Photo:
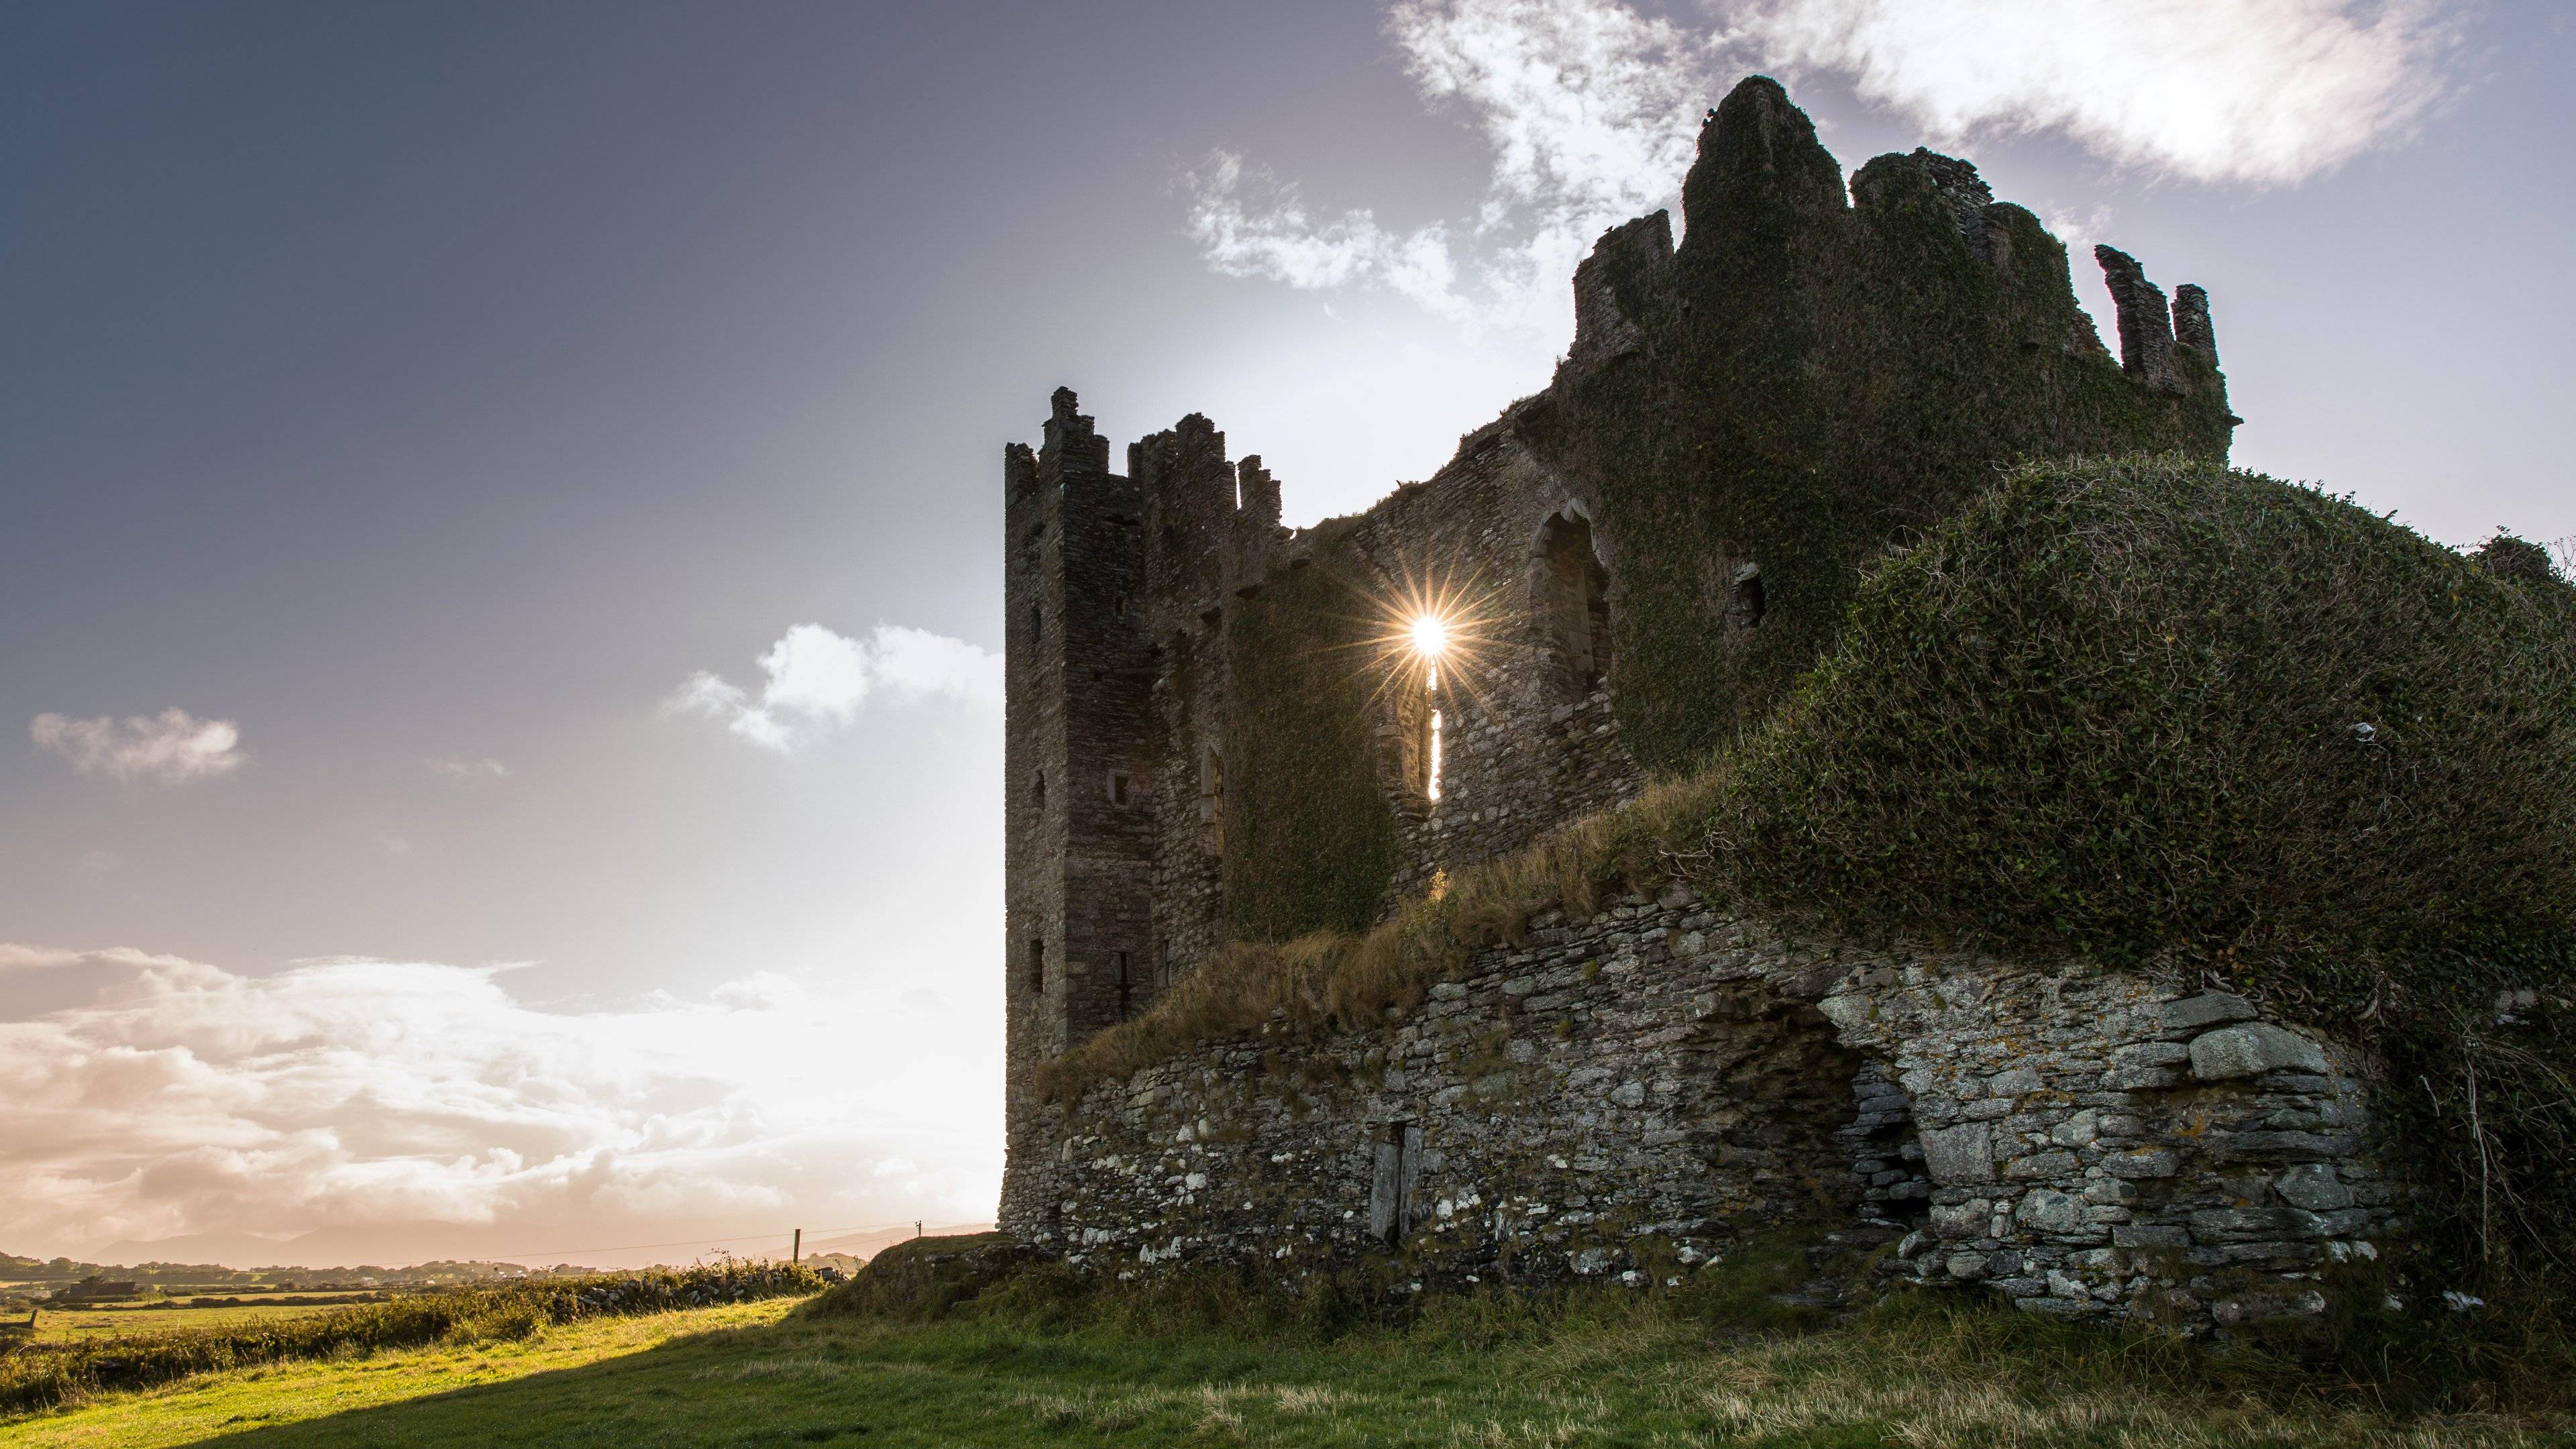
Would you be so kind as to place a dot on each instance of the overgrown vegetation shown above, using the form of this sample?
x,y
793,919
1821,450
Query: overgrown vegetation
x,y
1820,376
1310,841
2146,707
40,1374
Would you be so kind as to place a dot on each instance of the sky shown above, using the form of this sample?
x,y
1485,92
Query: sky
x,y
499,682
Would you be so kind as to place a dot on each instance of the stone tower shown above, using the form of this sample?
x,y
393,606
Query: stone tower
x,y
1078,852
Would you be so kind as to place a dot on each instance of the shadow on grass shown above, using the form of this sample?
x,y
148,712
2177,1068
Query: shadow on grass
x,y
810,1381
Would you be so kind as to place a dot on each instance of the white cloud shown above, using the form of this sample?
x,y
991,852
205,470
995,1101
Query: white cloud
x,y
16,957
815,680
470,769
1591,111
170,748
345,1093
2261,91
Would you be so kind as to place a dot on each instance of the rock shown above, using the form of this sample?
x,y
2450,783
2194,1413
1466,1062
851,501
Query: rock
x,y
2210,1008
2040,1164
1960,1154
2250,1050
2013,1082
1961,1220
2046,1210
2078,1130
2143,1162
2250,1225
1967,1267
2314,1187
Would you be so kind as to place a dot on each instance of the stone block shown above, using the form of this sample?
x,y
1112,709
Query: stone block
x,y
2046,1210
2250,1225
2210,1008
2251,1050
2314,1187
2039,1165
1961,1220
1960,1154
2143,1162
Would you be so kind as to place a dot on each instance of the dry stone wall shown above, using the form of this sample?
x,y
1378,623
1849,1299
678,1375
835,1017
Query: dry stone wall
x,y
1630,1095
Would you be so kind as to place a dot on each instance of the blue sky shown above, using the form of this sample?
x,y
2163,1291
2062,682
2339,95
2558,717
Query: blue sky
x,y
502,501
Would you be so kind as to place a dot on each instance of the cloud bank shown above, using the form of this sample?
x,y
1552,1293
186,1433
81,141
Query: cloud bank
x,y
344,1093
815,681
2266,92
170,748
1588,108
1591,110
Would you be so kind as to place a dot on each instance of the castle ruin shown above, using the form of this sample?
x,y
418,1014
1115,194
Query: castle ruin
x,y
1220,729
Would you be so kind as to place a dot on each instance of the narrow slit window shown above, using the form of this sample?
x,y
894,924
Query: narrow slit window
x,y
1212,798
1126,987
1122,787
1747,604
1037,966
1037,791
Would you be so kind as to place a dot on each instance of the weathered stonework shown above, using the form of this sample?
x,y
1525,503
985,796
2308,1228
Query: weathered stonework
x,y
1640,555
1635,1093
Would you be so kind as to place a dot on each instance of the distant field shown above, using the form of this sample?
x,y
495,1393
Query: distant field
x,y
55,1325
765,1374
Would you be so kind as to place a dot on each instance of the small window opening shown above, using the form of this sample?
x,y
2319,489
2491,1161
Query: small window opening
x,y
1037,966
1746,605
1037,793
1212,798
1121,787
1126,989
1433,789
1575,603
1119,606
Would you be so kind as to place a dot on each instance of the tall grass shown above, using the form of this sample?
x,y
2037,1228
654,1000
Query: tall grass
x,y
42,1375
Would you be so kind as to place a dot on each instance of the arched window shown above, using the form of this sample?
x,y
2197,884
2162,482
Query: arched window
x,y
1574,604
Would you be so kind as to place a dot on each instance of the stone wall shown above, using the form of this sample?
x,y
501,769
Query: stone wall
x,y
1637,1092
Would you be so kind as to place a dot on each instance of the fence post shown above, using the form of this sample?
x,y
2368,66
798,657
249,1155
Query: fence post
x,y
796,1254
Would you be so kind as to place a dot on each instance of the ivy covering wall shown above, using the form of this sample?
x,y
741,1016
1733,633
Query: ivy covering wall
x,y
1310,837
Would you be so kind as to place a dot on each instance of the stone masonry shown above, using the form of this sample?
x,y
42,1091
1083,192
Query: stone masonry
x,y
1632,1093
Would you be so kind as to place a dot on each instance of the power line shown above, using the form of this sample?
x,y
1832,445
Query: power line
x,y
697,1242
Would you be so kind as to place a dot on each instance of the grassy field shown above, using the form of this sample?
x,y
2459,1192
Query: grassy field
x,y
54,1325
775,1373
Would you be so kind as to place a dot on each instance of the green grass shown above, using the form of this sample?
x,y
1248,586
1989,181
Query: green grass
x,y
1605,1370
55,1325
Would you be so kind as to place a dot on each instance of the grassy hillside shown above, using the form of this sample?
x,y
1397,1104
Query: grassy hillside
x,y
1203,1361
749,1375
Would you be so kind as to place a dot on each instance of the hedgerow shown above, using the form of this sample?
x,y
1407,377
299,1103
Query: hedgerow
x,y
42,1375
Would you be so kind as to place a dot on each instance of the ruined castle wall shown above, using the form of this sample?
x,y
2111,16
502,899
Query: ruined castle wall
x,y
1635,1092
1525,745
